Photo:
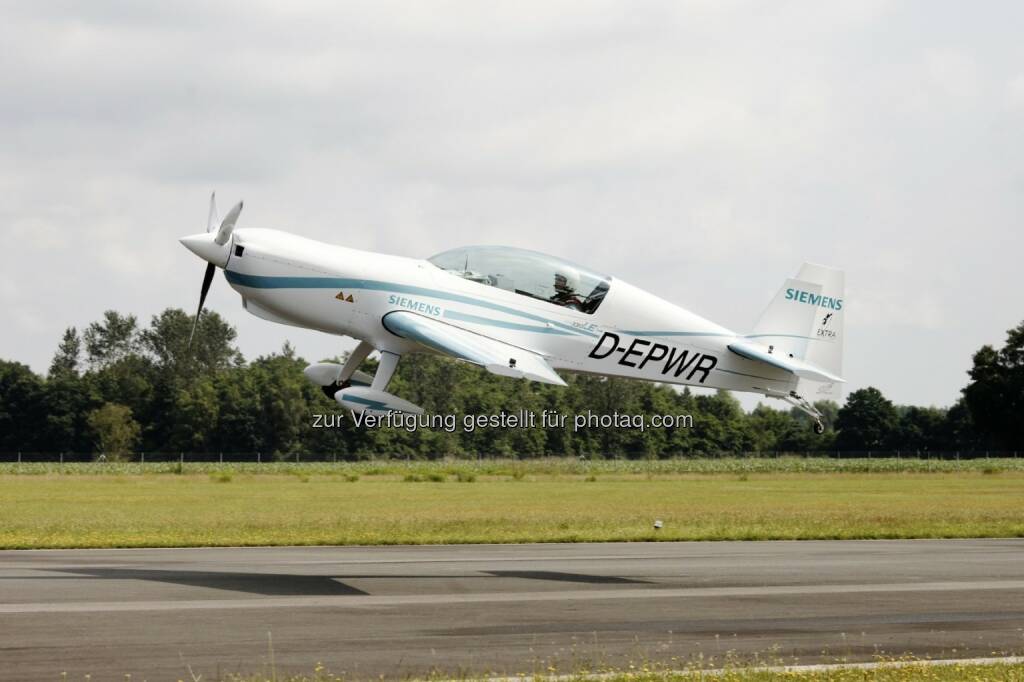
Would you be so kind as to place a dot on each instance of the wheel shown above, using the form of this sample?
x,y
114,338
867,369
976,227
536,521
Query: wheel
x,y
330,389
819,428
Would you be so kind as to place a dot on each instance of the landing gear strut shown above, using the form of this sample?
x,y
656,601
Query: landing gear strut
x,y
358,391
801,403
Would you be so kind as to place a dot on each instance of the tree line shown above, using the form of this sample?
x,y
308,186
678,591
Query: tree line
x,y
118,388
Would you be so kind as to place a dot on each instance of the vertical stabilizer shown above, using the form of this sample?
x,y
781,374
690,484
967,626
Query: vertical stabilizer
x,y
785,324
805,321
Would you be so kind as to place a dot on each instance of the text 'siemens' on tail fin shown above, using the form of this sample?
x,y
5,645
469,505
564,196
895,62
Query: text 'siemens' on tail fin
x,y
804,322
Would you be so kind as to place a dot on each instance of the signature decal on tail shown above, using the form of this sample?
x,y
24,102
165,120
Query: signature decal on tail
x,y
639,353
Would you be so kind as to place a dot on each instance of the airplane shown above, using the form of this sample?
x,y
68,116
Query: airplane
x,y
519,314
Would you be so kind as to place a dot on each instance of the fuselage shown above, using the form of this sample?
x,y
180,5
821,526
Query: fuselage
x,y
633,334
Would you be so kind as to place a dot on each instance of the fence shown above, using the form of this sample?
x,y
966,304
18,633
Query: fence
x,y
300,457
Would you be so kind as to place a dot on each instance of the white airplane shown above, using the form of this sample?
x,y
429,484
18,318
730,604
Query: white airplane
x,y
519,314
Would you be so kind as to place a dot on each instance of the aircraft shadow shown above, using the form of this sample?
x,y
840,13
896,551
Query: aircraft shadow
x,y
282,584
266,584
569,577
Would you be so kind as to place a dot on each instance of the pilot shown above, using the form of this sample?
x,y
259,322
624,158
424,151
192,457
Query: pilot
x,y
567,283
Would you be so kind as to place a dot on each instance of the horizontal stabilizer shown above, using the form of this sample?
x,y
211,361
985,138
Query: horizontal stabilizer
x,y
804,370
496,356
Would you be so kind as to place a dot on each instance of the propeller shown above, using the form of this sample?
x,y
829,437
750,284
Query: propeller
x,y
207,279
213,219
228,225
214,253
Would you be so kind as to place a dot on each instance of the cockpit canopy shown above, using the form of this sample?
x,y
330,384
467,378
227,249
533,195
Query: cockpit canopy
x,y
527,273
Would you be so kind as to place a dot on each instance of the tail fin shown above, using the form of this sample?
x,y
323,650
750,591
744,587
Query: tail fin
x,y
805,321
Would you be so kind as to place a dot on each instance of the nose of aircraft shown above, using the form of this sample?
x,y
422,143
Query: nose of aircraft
x,y
204,246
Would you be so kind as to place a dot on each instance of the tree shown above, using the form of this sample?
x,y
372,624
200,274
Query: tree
x,y
720,424
770,427
196,415
65,361
111,340
115,431
68,401
239,418
921,428
22,409
213,349
959,429
284,399
867,421
995,394
129,381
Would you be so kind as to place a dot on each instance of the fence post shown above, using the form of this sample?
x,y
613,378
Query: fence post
x,y
222,458
259,457
19,456
62,458
181,457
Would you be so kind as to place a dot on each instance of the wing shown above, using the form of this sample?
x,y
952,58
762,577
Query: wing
x,y
496,356
804,370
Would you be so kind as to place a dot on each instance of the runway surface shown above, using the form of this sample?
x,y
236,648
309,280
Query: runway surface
x,y
401,611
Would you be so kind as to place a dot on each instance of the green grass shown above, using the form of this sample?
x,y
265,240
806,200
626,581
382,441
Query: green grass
x,y
559,501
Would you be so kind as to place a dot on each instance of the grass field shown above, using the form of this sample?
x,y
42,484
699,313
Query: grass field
x,y
552,501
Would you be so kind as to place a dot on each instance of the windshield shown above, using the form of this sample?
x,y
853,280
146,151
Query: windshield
x,y
527,273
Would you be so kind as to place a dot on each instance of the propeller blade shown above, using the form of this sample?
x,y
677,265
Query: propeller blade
x,y
224,233
207,278
214,218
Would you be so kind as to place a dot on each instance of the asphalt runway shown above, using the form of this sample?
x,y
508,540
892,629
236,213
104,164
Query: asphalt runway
x,y
400,611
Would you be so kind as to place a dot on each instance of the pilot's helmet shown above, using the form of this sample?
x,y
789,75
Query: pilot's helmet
x,y
567,279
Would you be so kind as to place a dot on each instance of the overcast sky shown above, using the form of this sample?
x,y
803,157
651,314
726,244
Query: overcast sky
x,y
701,150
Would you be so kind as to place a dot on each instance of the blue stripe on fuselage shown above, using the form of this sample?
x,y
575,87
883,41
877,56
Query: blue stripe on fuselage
x,y
476,319
273,282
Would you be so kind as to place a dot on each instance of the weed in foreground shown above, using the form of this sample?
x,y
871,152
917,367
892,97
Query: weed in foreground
x,y
886,670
